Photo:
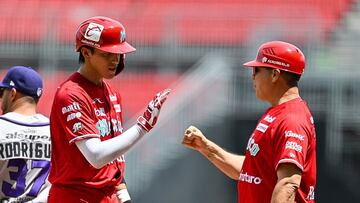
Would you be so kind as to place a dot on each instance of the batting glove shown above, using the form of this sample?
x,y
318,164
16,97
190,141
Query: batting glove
x,y
148,120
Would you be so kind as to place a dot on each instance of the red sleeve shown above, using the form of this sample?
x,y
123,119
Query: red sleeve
x,y
291,142
75,115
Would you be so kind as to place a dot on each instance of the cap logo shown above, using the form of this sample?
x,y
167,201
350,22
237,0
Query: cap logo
x,y
93,32
39,92
12,83
122,36
264,59
279,63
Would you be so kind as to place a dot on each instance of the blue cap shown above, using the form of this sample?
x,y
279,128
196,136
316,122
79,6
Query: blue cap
x,y
25,80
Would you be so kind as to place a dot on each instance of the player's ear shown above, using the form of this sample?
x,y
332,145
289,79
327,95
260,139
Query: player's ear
x,y
275,74
13,92
85,52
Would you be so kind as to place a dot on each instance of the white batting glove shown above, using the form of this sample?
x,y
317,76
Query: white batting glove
x,y
148,120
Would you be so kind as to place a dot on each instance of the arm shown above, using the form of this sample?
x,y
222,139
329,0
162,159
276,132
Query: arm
x,y
289,178
230,164
98,153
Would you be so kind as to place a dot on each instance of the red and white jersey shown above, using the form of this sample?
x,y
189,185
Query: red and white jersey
x,y
84,110
284,134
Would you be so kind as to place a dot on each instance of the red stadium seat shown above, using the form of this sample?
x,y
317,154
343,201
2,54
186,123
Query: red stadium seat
x,y
214,22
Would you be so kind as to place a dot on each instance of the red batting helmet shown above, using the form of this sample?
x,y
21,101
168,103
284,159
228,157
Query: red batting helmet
x,y
279,55
105,34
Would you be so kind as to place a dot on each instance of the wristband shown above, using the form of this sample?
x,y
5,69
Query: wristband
x,y
123,196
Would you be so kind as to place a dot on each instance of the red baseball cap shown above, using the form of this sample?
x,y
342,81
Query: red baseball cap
x,y
103,33
279,55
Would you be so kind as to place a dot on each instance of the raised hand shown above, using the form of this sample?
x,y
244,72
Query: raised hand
x,y
148,120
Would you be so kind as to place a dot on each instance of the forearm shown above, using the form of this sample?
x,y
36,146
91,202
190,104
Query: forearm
x,y
230,164
284,191
98,153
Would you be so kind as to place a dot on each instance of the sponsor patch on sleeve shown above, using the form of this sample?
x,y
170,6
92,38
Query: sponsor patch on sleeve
x,y
262,127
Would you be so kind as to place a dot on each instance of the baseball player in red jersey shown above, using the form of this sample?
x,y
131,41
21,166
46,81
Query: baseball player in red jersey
x,y
280,160
87,162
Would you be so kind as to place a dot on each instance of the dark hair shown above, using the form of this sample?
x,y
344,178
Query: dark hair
x,y
81,57
291,78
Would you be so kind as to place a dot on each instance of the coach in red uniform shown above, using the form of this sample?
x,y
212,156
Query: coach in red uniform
x,y
280,160
87,163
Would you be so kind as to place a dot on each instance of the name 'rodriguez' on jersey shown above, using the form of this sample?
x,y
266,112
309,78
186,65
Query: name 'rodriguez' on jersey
x,y
24,142
24,158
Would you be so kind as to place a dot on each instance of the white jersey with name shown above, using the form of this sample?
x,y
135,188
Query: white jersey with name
x,y
24,158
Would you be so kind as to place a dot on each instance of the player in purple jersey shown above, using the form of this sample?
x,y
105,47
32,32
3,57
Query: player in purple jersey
x,y
24,139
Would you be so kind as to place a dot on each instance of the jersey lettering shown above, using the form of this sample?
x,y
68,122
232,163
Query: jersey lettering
x,y
249,178
103,127
24,160
252,147
290,133
72,107
100,112
26,150
77,126
73,116
262,127
294,146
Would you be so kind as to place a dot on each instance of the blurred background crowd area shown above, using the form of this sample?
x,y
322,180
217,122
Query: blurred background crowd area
x,y
197,47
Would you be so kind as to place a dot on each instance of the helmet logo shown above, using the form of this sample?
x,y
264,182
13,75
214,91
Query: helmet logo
x,y
93,32
264,59
122,36
39,92
275,62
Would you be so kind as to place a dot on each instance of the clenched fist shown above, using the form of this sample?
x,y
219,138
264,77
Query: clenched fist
x,y
148,120
194,139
